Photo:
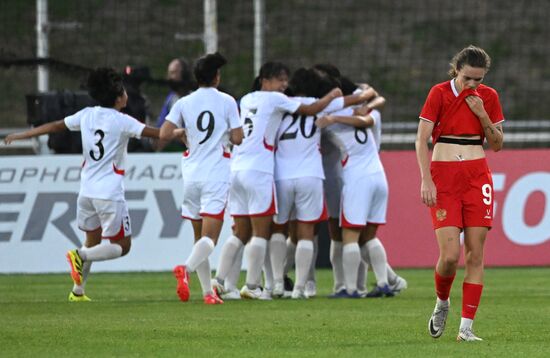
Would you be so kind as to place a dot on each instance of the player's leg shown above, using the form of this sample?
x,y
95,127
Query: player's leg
x,y
78,293
448,239
291,243
303,258
351,257
336,246
311,283
474,240
231,282
277,243
378,261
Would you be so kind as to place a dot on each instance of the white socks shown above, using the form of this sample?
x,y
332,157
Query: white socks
x,y
234,274
336,261
277,254
204,273
311,273
378,261
304,255
227,256
351,257
201,250
268,271
102,252
466,323
254,252
79,289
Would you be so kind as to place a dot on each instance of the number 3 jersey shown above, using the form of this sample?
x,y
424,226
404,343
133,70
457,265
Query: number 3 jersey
x,y
105,133
261,114
207,116
358,147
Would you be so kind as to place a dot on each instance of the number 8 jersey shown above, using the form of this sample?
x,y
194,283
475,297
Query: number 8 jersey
x,y
207,116
105,133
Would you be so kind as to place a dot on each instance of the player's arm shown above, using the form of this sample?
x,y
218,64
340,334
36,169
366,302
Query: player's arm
x,y
493,132
236,135
317,106
354,121
168,131
363,96
51,127
427,189
150,132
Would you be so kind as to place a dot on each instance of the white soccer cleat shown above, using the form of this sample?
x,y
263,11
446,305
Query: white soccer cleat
x,y
251,294
436,324
311,289
278,290
467,335
231,295
266,295
399,285
298,294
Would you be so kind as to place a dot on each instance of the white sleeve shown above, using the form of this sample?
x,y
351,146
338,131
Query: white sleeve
x,y
284,103
232,113
132,127
73,121
175,115
334,105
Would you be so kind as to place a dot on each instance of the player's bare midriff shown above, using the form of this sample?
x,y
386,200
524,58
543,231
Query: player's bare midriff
x,y
448,152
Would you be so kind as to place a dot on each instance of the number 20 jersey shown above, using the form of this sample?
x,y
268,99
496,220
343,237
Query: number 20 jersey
x,y
207,115
105,133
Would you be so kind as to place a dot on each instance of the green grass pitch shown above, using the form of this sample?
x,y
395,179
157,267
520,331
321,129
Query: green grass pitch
x,y
138,314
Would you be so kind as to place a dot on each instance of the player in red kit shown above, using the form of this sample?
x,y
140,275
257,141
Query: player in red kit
x,y
457,186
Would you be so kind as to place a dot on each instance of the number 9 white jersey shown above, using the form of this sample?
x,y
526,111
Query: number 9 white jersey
x,y
207,116
105,133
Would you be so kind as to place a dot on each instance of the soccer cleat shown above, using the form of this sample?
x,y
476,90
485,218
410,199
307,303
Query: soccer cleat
x,y
218,287
467,335
78,298
399,285
381,291
311,289
436,324
231,295
182,277
266,295
252,294
298,294
339,294
278,289
212,299
75,261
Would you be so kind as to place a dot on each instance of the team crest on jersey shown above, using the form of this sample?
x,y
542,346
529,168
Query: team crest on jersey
x,y
441,214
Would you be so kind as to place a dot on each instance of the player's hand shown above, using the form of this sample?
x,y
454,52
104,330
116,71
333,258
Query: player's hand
x,y
10,138
368,94
476,105
428,192
324,121
335,93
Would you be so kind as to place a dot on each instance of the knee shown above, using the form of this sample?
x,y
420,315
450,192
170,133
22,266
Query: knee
x,y
474,259
126,245
449,260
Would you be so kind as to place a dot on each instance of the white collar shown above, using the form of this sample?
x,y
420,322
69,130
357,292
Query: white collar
x,y
453,87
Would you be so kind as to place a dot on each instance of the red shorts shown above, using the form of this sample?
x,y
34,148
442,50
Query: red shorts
x,y
464,194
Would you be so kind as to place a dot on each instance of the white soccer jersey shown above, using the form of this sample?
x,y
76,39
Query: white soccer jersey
x,y
357,145
298,143
261,114
207,115
105,133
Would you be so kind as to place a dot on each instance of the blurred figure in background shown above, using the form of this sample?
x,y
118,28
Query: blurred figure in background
x,y
181,83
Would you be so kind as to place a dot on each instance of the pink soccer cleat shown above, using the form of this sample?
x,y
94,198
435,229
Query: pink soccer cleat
x,y
183,282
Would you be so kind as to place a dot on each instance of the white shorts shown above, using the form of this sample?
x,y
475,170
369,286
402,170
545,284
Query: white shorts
x,y
364,200
204,198
301,199
111,216
333,191
252,193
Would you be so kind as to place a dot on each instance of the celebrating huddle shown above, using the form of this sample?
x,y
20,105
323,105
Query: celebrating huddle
x,y
274,181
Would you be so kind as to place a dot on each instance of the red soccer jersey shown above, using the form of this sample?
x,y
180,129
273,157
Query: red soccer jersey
x,y
449,111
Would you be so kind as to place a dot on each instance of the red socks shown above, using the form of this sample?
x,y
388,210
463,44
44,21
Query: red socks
x,y
471,295
443,286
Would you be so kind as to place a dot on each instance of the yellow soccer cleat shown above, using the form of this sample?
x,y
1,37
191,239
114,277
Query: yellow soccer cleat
x,y
76,298
75,261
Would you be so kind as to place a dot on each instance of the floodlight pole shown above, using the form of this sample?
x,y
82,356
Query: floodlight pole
x,y
259,21
210,26
42,28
